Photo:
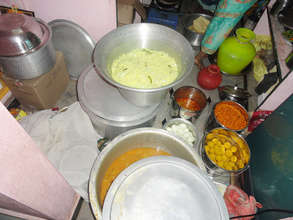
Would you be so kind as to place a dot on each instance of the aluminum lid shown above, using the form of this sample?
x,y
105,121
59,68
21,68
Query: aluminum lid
x,y
106,102
75,43
234,91
21,34
163,188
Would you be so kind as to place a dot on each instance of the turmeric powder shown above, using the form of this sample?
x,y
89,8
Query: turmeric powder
x,y
231,115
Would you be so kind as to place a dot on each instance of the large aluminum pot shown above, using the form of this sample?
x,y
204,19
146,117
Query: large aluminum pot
x,y
141,137
142,35
33,62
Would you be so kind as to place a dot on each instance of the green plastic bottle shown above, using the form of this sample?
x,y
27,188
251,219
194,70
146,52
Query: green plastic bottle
x,y
236,52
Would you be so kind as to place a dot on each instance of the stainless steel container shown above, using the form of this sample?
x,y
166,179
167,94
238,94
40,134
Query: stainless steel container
x,y
142,35
187,102
34,61
141,137
234,93
109,112
212,168
193,37
214,123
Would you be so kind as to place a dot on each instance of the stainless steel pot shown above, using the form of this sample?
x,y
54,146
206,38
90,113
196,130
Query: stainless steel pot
x,y
141,137
193,37
34,62
142,35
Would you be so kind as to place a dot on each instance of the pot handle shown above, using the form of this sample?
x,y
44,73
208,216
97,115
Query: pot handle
x,y
102,143
171,92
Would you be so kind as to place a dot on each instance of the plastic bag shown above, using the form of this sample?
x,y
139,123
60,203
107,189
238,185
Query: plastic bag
x,y
239,203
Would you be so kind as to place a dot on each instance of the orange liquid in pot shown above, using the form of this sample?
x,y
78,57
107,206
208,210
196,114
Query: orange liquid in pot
x,y
122,162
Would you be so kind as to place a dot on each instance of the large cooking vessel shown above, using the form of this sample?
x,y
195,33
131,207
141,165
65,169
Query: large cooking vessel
x,y
141,137
142,35
26,47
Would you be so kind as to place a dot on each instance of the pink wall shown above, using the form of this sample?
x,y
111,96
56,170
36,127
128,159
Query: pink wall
x,y
96,16
28,178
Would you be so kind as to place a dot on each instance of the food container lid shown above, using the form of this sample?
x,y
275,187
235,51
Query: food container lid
x,y
75,44
163,187
21,34
106,102
234,91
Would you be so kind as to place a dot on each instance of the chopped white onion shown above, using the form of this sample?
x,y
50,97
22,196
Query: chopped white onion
x,y
182,131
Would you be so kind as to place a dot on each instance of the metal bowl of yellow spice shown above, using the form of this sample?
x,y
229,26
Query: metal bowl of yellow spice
x,y
225,152
195,26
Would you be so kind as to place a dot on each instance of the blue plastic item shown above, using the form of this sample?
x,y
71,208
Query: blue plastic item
x,y
161,17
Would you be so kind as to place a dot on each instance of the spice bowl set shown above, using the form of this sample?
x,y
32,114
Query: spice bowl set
x,y
223,149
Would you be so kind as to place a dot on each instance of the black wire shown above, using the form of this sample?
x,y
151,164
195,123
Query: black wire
x,y
263,211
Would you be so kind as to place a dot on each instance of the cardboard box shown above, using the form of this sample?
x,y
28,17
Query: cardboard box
x,y
44,91
126,9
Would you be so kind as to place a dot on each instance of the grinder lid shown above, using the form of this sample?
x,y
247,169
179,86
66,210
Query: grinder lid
x,y
105,100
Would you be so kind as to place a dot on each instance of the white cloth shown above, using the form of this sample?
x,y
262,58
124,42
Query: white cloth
x,y
69,141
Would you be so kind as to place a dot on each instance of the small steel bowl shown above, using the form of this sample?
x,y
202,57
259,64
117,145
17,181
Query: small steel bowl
x,y
211,165
20,34
191,95
214,123
194,38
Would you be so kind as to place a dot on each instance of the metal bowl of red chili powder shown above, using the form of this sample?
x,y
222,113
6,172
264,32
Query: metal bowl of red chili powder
x,y
188,102
230,115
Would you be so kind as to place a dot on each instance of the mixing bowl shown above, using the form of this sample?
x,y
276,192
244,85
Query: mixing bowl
x,y
143,35
140,137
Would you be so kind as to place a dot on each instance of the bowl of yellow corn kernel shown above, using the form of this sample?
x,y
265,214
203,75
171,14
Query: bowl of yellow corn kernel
x,y
226,150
